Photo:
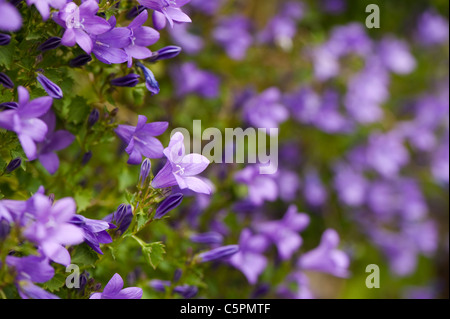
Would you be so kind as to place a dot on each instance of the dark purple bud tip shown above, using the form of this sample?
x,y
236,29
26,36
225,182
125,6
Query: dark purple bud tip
x,y
165,53
145,171
177,275
9,105
6,81
121,217
14,164
150,80
209,238
80,60
135,11
51,88
93,117
186,291
130,80
86,158
170,203
51,43
219,253
4,39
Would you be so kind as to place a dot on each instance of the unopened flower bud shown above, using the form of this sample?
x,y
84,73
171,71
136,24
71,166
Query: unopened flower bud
x,y
170,203
49,44
145,171
219,253
80,60
51,88
14,164
6,81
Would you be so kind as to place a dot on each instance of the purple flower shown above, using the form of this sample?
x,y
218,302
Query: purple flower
x,y
146,167
6,81
303,287
49,44
250,259
113,290
395,56
94,231
140,140
284,233
232,33
220,253
122,218
186,291
80,23
190,43
180,169
168,204
5,39
51,88
266,110
260,187
141,37
54,141
28,290
129,80
209,7
33,268
210,238
170,9
165,53
348,39
93,117
351,186
25,122
305,104
188,78
10,19
43,6
313,189
440,162
49,227
288,185
326,257
13,165
150,80
432,29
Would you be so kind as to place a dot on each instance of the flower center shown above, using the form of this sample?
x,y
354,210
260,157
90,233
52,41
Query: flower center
x,y
180,170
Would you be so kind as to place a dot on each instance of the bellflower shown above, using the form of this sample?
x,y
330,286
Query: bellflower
x,y
24,120
288,185
114,290
146,167
80,60
13,165
284,233
80,23
395,56
10,19
34,268
250,259
314,190
350,185
432,29
6,81
266,110
54,141
168,204
122,218
130,80
94,231
51,88
209,7
209,238
169,8
165,53
181,169
303,287
232,33
260,187
5,39
49,44
188,78
49,227
150,80
220,253
141,37
186,291
326,257
43,6
190,43
140,140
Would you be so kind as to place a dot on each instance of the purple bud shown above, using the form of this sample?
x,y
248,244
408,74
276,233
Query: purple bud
x,y
219,253
80,60
145,171
9,105
170,203
4,228
86,158
186,291
165,53
135,11
5,39
121,217
159,285
93,117
6,81
150,81
51,43
14,164
51,88
159,20
177,275
210,238
130,80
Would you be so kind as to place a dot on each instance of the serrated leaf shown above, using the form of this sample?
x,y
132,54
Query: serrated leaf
x,y
78,110
56,283
7,53
155,253
83,199
141,219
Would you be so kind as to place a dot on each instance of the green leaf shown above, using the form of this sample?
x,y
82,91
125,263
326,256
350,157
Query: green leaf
x,y
56,283
155,253
7,53
142,219
83,199
78,110
84,255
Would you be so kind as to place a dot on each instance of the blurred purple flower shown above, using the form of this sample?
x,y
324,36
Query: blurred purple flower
x,y
233,34
220,253
129,80
94,231
43,6
25,121
303,287
313,189
351,185
210,238
326,257
432,29
395,55
140,140
191,43
188,78
170,9
260,187
114,290
209,7
181,169
10,19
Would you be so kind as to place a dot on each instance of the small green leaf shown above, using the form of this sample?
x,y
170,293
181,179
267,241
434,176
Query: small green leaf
x,y
155,253
56,283
142,219
83,199
84,255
